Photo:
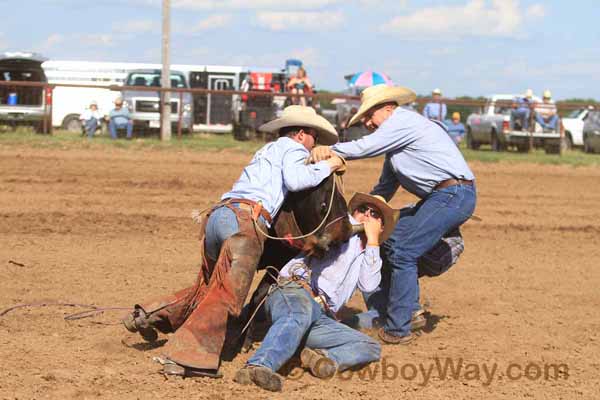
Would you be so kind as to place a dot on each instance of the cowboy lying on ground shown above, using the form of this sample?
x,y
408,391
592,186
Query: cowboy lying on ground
x,y
302,305
420,157
232,247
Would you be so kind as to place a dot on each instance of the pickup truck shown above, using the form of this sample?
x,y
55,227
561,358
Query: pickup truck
x,y
493,126
23,105
144,106
573,124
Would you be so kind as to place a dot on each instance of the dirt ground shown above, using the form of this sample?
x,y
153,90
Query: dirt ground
x,y
113,227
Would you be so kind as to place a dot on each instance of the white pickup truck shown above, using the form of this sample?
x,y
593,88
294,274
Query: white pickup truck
x,y
573,124
493,126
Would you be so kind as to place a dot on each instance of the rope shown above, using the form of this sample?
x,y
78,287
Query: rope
x,y
70,317
265,234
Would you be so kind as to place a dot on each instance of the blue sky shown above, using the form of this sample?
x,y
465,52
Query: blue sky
x,y
465,47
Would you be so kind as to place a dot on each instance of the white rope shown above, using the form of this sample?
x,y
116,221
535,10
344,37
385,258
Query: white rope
x,y
333,189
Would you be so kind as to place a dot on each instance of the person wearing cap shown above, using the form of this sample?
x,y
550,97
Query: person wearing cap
x,y
456,129
421,158
545,112
232,246
91,119
119,118
435,109
521,109
308,294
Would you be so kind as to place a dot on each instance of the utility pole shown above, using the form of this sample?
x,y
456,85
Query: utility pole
x,y
165,114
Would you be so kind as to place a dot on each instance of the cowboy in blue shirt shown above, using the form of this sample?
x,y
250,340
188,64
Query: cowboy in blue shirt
x,y
435,109
232,246
310,291
420,157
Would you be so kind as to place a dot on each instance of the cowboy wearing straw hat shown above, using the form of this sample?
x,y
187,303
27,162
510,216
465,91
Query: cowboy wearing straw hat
x,y
435,109
309,293
420,157
232,247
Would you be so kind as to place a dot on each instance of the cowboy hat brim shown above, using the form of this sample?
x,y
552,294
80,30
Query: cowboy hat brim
x,y
389,215
398,94
327,133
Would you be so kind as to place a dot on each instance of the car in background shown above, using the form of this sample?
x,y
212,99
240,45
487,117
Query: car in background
x,y
591,132
24,105
144,106
573,124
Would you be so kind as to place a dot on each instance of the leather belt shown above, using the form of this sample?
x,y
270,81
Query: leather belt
x,y
452,182
316,297
255,208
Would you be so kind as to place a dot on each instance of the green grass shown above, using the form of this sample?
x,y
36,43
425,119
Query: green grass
x,y
202,142
69,140
575,157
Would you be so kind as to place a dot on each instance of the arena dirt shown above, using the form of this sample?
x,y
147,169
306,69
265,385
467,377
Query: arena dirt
x,y
516,318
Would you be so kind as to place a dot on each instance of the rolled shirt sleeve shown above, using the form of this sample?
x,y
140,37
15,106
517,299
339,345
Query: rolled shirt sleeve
x,y
297,175
369,275
387,138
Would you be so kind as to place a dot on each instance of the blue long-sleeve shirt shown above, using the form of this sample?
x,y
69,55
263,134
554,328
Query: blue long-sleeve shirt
x,y
432,111
419,154
456,131
120,116
276,169
340,271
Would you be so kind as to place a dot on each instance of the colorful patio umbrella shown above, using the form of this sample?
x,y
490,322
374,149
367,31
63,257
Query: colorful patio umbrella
x,y
370,78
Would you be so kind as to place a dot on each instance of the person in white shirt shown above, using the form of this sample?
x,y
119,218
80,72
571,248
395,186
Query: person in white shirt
x,y
545,112
302,305
91,119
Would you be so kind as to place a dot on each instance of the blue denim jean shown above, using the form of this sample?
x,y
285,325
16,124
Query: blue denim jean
x,y
222,223
551,124
90,126
112,127
296,317
522,114
414,235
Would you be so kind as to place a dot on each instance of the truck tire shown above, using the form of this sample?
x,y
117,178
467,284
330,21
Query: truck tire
x,y
523,147
552,149
243,133
567,141
496,144
471,144
72,123
587,147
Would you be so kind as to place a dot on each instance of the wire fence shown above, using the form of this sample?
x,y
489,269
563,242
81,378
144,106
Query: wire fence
x,y
45,106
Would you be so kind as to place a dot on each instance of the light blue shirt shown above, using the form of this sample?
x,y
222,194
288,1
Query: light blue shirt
x,y
456,131
432,111
120,117
276,169
337,275
419,154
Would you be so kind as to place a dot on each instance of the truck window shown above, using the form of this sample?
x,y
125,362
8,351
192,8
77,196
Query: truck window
x,y
151,79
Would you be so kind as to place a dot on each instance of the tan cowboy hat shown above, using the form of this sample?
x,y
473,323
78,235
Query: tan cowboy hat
x,y
437,91
304,117
389,215
380,94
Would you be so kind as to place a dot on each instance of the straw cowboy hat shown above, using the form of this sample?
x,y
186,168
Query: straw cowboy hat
x,y
304,117
437,91
389,215
380,94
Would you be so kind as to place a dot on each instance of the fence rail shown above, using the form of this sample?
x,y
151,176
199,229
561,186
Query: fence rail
x,y
47,122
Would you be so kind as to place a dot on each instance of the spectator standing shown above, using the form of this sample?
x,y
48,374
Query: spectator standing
x,y
119,118
456,129
435,109
545,112
91,119
300,84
